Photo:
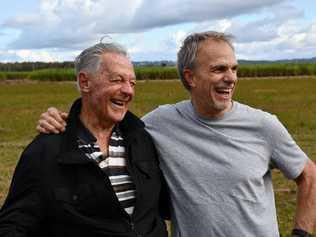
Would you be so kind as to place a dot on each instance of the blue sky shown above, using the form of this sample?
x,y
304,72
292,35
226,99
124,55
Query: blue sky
x,y
57,30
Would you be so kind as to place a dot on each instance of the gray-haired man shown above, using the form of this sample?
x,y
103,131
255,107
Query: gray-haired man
x,y
99,178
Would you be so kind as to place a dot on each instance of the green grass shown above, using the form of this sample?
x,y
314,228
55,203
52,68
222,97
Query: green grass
x,y
292,100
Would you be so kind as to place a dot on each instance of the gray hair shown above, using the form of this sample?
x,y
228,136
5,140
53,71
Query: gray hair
x,y
89,60
188,51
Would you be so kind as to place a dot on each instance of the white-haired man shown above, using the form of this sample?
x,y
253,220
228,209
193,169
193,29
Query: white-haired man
x,y
99,178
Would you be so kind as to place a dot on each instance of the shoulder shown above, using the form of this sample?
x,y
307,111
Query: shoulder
x,y
256,114
267,123
43,141
42,145
160,111
142,146
142,136
243,108
165,112
36,156
264,123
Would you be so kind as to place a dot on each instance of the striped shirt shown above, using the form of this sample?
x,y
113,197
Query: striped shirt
x,y
114,165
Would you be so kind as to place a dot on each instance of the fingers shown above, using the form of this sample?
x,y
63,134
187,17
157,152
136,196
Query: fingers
x,y
63,115
44,127
54,114
52,121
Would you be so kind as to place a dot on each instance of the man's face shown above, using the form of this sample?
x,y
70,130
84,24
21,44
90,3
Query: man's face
x,y
213,78
112,88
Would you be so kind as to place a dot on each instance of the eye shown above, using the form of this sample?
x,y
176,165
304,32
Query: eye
x,y
132,82
235,68
219,69
116,79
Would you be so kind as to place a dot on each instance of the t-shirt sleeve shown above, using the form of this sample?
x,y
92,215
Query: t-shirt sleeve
x,y
286,154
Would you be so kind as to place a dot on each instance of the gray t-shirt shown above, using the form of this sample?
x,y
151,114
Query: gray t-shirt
x,y
219,170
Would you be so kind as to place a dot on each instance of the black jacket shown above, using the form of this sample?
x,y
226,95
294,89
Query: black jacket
x,y
57,191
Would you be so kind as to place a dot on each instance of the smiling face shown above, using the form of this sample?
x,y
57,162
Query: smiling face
x,y
110,90
213,78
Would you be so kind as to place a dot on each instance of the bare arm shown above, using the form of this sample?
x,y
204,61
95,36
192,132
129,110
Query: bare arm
x,y
305,217
52,121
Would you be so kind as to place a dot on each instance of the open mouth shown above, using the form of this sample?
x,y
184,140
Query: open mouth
x,y
225,92
118,103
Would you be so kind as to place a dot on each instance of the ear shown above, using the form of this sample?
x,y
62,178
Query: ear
x,y
83,82
189,77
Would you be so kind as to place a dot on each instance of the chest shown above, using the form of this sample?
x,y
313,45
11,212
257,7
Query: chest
x,y
208,153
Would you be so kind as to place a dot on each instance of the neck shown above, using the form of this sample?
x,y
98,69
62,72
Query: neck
x,y
210,112
100,129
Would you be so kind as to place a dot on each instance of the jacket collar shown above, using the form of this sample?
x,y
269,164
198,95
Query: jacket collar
x,y
70,154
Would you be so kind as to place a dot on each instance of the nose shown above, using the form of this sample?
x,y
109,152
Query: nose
x,y
231,75
127,88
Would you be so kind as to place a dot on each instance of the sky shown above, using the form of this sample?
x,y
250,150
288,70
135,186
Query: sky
x,y
58,30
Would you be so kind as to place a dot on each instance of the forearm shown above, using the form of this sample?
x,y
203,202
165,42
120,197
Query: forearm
x,y
305,217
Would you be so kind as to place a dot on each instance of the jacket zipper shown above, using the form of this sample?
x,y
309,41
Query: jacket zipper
x,y
129,218
134,177
133,228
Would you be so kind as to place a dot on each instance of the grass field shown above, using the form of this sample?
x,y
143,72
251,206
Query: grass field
x,y
292,100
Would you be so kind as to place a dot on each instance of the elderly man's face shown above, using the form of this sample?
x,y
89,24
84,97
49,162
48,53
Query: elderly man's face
x,y
113,88
214,78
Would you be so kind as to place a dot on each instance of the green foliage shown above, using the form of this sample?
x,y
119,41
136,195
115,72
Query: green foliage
x,y
292,100
31,66
41,75
282,70
161,73
152,73
13,75
53,75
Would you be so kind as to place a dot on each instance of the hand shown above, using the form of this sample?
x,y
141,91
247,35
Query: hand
x,y
52,121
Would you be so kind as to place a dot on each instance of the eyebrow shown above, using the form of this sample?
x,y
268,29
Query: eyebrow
x,y
123,76
223,66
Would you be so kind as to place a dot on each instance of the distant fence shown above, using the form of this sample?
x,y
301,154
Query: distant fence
x,y
153,73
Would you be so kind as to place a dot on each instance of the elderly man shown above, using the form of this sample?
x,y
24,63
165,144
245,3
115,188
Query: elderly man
x,y
217,154
101,176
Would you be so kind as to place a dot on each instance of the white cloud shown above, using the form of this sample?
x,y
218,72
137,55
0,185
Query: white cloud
x,y
43,55
155,29
163,13
162,48
178,37
293,41
25,55
29,55
73,23
9,56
